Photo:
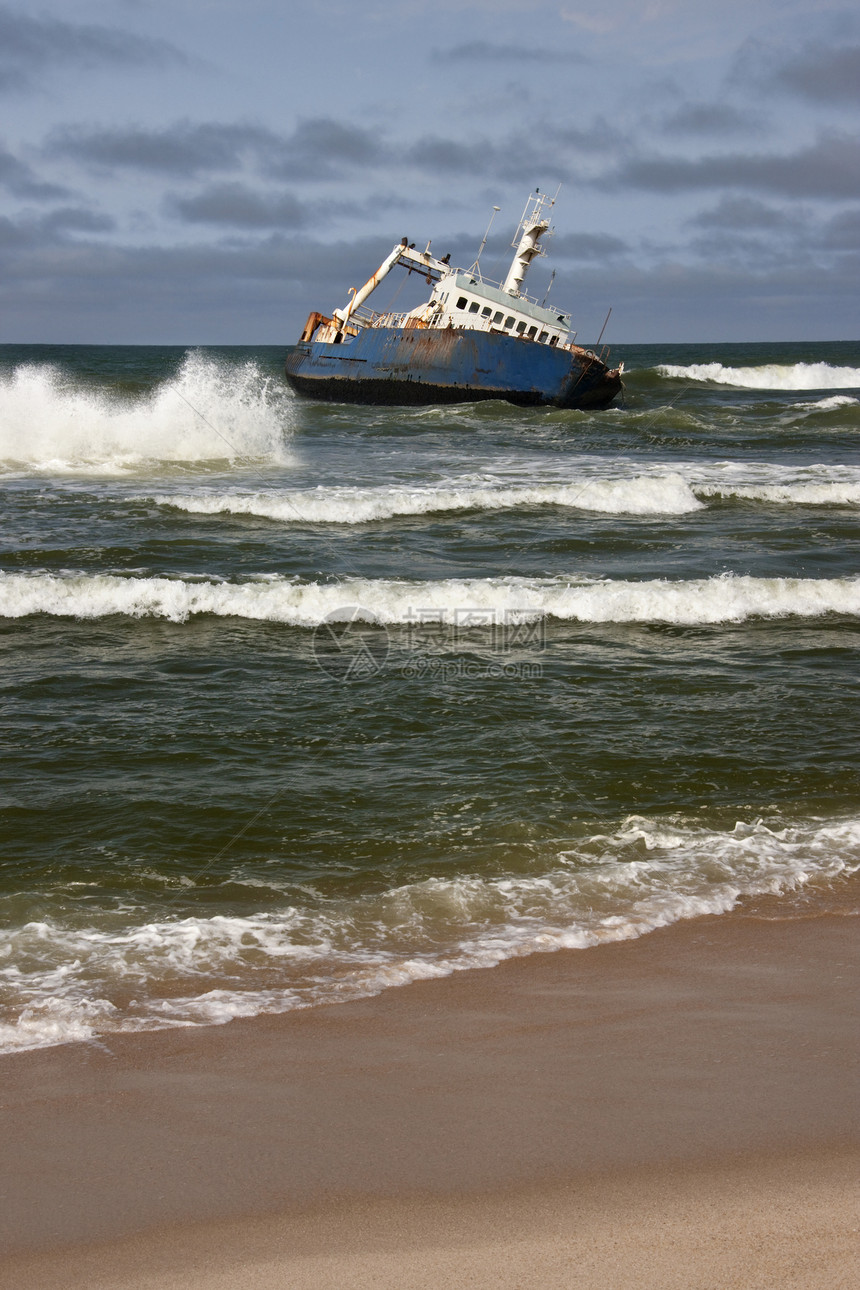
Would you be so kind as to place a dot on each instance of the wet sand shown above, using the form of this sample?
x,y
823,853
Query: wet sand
x,y
681,1110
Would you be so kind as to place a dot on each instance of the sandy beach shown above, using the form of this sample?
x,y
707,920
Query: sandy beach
x,y
680,1110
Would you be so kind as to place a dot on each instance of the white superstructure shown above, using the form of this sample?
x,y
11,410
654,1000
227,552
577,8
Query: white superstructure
x,y
460,298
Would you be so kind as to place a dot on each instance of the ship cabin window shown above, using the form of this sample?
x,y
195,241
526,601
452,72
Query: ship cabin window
x,y
486,311
542,337
532,332
474,307
498,316
462,302
553,340
521,327
509,322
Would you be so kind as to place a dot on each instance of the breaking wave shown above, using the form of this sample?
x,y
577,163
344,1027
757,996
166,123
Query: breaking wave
x,y
771,376
812,485
271,598
832,404
644,495
210,411
132,972
670,494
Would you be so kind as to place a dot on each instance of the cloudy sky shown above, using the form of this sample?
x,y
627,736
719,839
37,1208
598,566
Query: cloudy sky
x,y
208,171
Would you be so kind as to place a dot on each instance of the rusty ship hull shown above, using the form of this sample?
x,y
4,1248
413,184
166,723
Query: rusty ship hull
x,y
427,365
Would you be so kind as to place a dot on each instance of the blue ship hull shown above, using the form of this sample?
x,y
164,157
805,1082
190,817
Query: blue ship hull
x,y
420,365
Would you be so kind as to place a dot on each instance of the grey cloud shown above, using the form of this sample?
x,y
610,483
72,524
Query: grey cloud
x,y
549,152
743,213
316,148
52,227
240,207
511,158
321,136
19,179
74,219
180,149
205,293
843,231
13,234
587,246
599,136
320,148
261,293
710,119
829,168
487,51
753,250
744,301
450,154
823,74
30,45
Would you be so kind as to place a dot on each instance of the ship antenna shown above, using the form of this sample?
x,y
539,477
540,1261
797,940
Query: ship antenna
x,y
476,266
549,288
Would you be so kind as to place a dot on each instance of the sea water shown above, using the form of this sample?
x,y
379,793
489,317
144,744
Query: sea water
x,y
303,701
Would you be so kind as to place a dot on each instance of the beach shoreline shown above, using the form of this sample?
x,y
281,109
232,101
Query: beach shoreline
x,y
469,1128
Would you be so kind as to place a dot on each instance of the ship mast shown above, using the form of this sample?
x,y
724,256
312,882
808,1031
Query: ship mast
x,y
533,226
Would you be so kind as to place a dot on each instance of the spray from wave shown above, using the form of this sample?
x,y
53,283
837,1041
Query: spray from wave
x,y
270,598
771,376
210,411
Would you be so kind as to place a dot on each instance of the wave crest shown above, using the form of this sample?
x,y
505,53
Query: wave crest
x,y
644,495
697,601
799,494
771,376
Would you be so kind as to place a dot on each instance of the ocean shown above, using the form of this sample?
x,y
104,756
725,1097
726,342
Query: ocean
x,y
304,701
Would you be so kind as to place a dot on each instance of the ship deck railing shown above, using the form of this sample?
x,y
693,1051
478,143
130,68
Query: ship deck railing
x,y
368,318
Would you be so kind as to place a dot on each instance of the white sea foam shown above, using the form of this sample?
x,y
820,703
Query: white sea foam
x,y
771,376
818,484
640,495
723,599
211,411
798,494
828,405
63,982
